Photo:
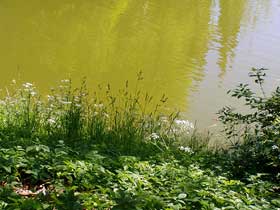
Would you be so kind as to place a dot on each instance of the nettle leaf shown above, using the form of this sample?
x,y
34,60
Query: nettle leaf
x,y
38,148
182,195
8,169
33,172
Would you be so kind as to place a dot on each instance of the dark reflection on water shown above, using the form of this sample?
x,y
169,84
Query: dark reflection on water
x,y
190,50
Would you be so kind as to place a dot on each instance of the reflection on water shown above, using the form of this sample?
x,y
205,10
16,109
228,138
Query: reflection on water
x,y
184,48
231,13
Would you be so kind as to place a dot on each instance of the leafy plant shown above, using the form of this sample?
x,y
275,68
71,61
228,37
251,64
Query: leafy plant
x,y
72,151
257,147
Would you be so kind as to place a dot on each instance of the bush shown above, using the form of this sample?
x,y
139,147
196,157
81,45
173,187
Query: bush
x,y
255,136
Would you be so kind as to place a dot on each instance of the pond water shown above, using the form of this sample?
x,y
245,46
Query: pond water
x,y
192,51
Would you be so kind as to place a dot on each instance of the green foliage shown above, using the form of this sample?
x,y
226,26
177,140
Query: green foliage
x,y
257,132
113,152
118,124
134,184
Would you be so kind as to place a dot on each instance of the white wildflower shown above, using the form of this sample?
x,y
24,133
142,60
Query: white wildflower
x,y
27,85
51,121
186,149
184,124
98,105
153,136
66,102
33,93
164,119
275,147
65,81
77,99
182,127
50,98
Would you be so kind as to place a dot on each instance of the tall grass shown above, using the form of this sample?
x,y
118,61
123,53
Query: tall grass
x,y
75,149
123,123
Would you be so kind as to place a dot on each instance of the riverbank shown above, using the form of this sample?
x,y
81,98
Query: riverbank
x,y
69,151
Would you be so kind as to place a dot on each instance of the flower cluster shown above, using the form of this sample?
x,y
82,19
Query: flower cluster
x,y
183,126
153,136
186,149
275,147
29,88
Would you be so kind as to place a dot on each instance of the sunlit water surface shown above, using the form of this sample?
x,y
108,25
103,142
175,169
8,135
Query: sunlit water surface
x,y
192,51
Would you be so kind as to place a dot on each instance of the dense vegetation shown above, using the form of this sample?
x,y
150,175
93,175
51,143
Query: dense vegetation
x,y
75,151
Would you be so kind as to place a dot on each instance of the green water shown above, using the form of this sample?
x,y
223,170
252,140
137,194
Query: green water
x,y
190,50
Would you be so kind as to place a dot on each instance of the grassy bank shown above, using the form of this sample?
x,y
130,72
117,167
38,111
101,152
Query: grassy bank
x,y
71,151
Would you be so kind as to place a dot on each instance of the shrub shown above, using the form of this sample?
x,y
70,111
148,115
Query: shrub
x,y
257,132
